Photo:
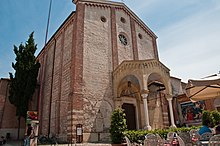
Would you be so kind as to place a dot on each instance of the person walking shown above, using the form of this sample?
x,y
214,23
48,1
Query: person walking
x,y
29,134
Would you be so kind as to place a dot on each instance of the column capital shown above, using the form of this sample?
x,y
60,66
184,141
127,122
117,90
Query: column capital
x,y
144,94
169,97
144,91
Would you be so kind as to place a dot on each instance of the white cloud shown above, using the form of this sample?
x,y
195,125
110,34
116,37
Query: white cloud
x,y
188,34
191,47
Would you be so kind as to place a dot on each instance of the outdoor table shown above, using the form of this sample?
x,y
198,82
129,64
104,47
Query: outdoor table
x,y
204,142
212,143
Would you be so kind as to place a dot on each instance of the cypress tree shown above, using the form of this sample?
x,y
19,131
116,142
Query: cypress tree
x,y
24,80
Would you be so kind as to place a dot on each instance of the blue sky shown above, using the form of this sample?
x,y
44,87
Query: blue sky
x,y
188,31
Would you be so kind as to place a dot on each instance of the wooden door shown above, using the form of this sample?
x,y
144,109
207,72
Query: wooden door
x,y
130,115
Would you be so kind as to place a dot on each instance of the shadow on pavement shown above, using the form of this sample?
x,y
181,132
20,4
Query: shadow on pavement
x,y
13,143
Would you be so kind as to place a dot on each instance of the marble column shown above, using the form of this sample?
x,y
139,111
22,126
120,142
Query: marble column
x,y
169,98
146,114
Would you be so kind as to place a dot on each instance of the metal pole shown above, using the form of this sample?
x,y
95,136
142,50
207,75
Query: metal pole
x,y
48,21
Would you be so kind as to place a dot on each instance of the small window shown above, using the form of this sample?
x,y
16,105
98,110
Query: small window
x,y
140,36
123,20
103,19
123,39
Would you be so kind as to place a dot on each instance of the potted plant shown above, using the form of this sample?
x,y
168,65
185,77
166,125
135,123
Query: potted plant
x,y
118,126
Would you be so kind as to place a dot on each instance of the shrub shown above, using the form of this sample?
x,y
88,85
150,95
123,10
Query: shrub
x,y
118,126
206,115
139,135
216,117
212,116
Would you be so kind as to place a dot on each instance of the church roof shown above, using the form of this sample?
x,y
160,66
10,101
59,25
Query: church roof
x,y
71,14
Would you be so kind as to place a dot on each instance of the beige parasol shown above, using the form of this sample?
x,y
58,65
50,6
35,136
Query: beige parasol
x,y
204,89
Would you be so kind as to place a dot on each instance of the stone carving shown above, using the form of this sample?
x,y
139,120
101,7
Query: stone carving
x,y
129,92
104,115
99,122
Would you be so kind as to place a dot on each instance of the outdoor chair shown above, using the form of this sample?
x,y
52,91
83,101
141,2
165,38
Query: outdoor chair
x,y
181,142
153,140
214,140
128,142
186,138
160,140
150,135
206,136
170,136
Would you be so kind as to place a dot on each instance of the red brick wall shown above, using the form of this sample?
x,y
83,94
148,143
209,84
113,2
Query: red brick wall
x,y
8,119
55,80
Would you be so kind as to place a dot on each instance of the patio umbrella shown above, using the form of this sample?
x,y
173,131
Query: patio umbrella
x,y
204,89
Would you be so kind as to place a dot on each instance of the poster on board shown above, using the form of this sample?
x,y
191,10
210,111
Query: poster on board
x,y
192,112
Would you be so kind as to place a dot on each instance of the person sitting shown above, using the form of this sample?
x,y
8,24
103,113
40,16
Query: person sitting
x,y
206,127
3,140
217,129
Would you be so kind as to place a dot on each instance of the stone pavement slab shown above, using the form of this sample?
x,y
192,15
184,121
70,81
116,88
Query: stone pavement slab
x,y
13,143
81,144
20,143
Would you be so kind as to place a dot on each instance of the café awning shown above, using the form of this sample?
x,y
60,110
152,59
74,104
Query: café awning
x,y
203,89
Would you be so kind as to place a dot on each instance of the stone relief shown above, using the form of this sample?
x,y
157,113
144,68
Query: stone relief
x,y
128,91
103,115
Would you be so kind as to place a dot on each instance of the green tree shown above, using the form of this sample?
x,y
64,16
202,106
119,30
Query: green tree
x,y
24,80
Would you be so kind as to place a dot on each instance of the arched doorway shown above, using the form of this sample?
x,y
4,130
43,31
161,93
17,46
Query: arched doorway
x,y
130,115
156,102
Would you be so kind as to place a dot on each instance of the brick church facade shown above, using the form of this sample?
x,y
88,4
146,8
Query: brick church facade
x,y
102,57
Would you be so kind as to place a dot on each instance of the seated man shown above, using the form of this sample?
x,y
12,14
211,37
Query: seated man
x,y
206,127
217,129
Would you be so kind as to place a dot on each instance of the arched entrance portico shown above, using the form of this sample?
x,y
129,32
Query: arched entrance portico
x,y
148,83
129,99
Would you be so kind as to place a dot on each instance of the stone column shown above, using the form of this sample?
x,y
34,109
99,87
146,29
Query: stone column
x,y
169,98
146,115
